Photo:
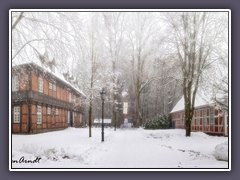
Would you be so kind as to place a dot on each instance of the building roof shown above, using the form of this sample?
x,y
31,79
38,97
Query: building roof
x,y
201,100
47,69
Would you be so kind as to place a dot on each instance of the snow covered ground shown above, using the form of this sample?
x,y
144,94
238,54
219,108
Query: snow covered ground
x,y
124,148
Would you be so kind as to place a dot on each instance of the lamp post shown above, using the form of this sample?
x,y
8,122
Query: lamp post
x,y
103,93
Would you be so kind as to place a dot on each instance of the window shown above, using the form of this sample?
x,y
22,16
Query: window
x,y
194,121
73,117
16,114
15,83
70,97
198,118
68,116
50,85
80,117
212,116
198,113
56,112
198,121
53,111
54,86
39,115
204,117
48,110
40,85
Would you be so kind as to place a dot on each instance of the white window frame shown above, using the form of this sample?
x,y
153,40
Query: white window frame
x,y
80,117
39,114
56,111
53,111
15,83
40,84
54,86
16,114
68,120
50,85
49,111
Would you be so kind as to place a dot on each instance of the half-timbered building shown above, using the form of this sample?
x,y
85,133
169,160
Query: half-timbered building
x,y
208,117
43,99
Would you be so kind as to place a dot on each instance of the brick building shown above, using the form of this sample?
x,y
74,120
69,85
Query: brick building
x,y
207,117
43,100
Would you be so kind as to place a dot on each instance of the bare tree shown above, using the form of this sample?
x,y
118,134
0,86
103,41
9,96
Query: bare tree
x,y
140,39
194,36
114,24
17,20
94,64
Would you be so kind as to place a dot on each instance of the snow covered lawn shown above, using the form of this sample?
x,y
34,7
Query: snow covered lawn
x,y
124,148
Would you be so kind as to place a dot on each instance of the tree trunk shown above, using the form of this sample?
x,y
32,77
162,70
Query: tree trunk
x,y
188,120
189,109
114,118
138,111
90,103
90,118
114,94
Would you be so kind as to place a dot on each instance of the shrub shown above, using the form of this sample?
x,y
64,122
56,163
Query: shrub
x,y
159,122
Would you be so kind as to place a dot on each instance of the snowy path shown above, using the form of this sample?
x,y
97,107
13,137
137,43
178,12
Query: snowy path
x,y
126,148
131,148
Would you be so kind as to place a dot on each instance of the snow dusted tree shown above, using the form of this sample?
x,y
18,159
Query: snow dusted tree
x,y
17,19
217,72
114,24
94,63
194,36
140,35
134,51
38,32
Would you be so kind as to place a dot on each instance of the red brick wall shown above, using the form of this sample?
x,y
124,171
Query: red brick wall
x,y
24,118
34,118
58,92
34,82
16,128
44,117
204,121
21,127
49,121
23,82
45,86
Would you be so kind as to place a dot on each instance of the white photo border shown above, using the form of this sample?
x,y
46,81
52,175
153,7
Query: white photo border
x,y
119,10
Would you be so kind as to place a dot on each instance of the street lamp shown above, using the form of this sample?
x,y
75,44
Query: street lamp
x,y
103,93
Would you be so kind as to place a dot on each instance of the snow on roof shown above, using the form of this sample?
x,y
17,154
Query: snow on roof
x,y
107,121
200,100
46,68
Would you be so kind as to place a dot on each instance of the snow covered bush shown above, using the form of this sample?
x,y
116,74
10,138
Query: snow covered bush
x,y
221,151
158,122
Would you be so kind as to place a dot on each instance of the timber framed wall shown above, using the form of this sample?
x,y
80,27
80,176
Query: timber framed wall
x,y
206,119
37,107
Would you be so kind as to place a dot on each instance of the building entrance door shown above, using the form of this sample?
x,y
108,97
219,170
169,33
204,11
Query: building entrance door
x,y
71,119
